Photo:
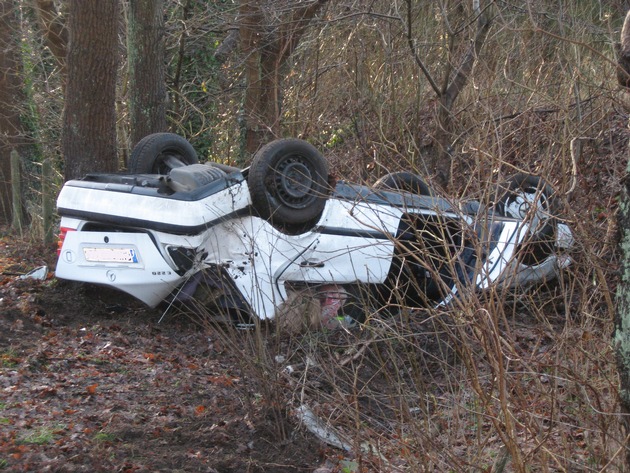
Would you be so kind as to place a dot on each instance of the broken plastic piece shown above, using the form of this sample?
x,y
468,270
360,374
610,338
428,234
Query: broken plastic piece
x,y
40,274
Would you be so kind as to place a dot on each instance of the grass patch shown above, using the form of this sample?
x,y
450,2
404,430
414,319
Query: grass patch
x,y
41,436
9,359
104,437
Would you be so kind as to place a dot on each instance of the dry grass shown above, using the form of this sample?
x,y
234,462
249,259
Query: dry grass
x,y
507,380
504,380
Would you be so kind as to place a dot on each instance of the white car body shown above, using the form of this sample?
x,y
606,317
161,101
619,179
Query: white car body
x,y
123,231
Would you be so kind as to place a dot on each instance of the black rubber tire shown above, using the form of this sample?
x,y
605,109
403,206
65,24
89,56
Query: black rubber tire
x,y
160,152
540,243
403,181
288,182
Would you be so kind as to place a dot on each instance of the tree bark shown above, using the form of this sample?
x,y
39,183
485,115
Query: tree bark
x,y
145,50
252,34
11,97
439,163
447,98
54,31
622,332
267,47
89,119
623,54
622,322
227,46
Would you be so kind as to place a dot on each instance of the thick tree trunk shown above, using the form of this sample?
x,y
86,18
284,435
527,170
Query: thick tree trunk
x,y
11,136
252,37
89,121
147,87
622,332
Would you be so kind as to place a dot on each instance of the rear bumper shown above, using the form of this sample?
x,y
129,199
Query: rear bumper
x,y
95,257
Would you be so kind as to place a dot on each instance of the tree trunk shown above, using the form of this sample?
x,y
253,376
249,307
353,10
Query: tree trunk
x,y
11,97
447,98
622,332
89,119
145,50
267,47
252,36
623,54
54,31
438,164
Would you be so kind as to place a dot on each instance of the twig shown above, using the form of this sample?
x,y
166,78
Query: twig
x,y
359,352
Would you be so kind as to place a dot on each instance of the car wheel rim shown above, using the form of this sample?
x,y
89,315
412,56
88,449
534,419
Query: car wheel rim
x,y
528,204
293,179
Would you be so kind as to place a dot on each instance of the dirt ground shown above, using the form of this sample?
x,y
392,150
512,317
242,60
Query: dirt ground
x,y
91,380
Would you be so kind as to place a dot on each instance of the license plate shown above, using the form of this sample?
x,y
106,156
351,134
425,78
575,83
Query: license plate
x,y
110,255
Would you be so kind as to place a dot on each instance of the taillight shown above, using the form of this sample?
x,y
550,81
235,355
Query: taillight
x,y
63,231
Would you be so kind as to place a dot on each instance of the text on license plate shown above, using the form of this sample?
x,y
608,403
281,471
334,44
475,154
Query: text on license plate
x,y
110,255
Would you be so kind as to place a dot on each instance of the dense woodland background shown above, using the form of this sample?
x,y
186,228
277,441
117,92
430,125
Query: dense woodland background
x,y
464,93
432,86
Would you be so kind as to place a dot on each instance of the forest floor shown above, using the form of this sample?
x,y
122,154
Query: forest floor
x,y
91,380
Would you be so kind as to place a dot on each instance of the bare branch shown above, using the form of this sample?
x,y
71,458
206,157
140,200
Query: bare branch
x,y
412,46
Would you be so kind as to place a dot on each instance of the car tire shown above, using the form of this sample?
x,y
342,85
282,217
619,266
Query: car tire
x,y
531,199
403,181
160,152
288,183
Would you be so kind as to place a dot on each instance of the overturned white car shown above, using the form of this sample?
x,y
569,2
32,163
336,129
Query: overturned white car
x,y
255,235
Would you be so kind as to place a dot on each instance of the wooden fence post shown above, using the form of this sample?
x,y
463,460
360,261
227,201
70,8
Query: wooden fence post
x,y
16,192
47,205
